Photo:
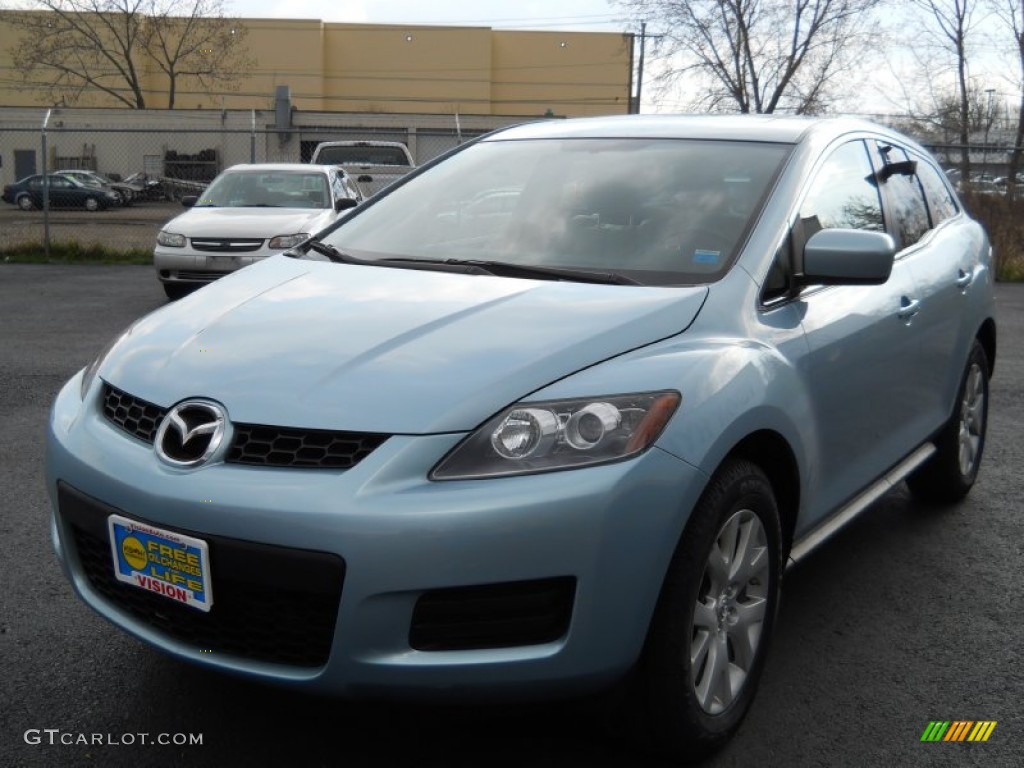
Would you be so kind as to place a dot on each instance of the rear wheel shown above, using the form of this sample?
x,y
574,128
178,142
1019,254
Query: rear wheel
x,y
25,203
949,474
709,636
92,204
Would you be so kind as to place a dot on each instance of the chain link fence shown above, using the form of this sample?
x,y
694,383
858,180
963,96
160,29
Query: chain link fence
x,y
151,171
154,167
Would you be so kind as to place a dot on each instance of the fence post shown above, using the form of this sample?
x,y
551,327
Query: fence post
x,y
252,139
46,191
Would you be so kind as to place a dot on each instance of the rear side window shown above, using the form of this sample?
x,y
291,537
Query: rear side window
x,y
844,194
941,203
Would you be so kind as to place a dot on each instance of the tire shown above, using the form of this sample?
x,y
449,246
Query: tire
x,y
25,203
950,473
121,202
92,204
699,624
176,291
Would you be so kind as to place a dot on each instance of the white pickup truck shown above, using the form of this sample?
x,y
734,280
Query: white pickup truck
x,y
372,164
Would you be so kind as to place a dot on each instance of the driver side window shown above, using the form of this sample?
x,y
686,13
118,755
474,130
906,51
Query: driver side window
x,y
843,195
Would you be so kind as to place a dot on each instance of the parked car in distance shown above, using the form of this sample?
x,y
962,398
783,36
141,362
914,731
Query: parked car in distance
x,y
247,213
125,192
571,438
64,192
373,164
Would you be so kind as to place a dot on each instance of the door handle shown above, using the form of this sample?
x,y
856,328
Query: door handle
x,y
908,308
964,278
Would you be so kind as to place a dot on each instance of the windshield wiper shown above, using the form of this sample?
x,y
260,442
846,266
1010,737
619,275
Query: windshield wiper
x,y
558,273
478,266
331,253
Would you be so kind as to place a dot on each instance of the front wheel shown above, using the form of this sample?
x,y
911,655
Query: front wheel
x,y
25,203
708,640
92,204
950,473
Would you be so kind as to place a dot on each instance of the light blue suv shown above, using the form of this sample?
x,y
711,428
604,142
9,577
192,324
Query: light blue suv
x,y
545,448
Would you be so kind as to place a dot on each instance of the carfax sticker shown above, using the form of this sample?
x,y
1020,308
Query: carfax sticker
x,y
170,564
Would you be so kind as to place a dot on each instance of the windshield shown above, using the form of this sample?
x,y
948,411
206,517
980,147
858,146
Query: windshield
x,y
267,189
660,211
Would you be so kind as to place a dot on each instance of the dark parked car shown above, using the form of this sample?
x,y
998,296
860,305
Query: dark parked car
x,y
123,191
64,193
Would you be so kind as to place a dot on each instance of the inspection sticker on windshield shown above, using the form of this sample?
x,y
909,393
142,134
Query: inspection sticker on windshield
x,y
706,257
170,564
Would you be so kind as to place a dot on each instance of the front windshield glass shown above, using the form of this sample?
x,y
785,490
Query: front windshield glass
x,y
661,211
267,189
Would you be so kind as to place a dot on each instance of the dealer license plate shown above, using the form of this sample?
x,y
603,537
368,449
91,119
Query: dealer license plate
x,y
170,564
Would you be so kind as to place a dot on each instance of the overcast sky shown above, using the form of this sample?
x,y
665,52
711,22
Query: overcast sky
x,y
590,15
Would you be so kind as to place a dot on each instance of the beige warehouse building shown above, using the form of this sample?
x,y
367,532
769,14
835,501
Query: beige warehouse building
x,y
387,69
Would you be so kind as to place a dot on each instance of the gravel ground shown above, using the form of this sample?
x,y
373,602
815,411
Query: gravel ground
x,y
118,228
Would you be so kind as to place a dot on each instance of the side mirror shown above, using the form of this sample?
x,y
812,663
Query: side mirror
x,y
847,257
344,203
189,200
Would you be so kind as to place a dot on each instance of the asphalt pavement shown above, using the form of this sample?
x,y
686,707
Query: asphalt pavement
x,y
910,615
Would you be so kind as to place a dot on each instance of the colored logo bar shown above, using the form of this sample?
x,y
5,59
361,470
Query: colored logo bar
x,y
958,730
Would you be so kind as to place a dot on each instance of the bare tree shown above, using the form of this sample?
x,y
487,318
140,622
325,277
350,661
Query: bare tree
x,y
203,45
71,48
952,22
1011,13
758,55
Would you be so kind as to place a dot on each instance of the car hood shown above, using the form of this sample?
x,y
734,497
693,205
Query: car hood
x,y
248,222
335,346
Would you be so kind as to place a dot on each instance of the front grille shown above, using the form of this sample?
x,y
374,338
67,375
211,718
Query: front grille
x,y
254,444
272,604
285,447
493,615
132,414
196,276
226,244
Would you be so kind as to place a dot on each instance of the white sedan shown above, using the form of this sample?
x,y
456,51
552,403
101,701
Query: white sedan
x,y
247,213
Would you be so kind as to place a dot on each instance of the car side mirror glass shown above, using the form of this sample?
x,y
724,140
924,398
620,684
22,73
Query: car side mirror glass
x,y
344,203
189,200
847,257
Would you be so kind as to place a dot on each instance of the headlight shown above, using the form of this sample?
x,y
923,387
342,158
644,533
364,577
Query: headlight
x,y
287,241
94,366
170,240
560,434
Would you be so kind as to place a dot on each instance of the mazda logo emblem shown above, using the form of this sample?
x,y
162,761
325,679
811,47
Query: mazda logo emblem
x,y
190,433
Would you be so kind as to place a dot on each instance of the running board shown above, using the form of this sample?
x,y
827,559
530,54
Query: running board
x,y
882,486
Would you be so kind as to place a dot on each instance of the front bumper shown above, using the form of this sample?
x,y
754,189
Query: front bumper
x,y
608,530
187,266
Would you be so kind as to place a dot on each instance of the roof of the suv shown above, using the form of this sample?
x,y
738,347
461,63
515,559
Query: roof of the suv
x,y
771,128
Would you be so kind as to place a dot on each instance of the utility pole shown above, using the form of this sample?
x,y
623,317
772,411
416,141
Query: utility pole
x,y
640,71
640,67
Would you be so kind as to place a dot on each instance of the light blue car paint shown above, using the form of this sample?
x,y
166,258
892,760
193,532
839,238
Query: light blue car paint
x,y
834,374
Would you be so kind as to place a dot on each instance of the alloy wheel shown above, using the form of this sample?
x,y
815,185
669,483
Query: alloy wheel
x,y
730,611
972,419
